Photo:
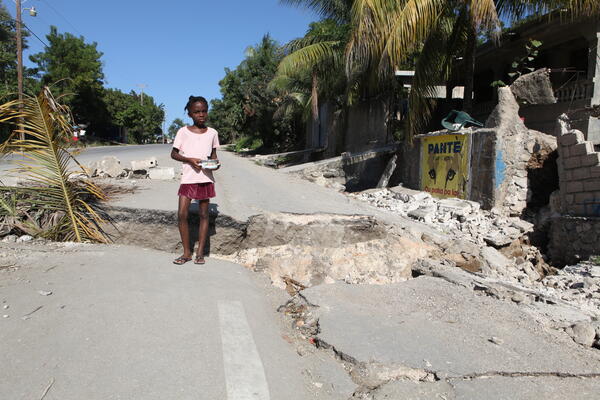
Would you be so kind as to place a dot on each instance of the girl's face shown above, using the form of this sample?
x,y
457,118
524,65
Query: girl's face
x,y
198,112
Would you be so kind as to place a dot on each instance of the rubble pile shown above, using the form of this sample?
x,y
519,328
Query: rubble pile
x,y
493,244
110,167
461,219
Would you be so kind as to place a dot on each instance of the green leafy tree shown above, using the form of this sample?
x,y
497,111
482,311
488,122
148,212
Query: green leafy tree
x,y
74,68
314,69
248,103
174,127
387,33
141,121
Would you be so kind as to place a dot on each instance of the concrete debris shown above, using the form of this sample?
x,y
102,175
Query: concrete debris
x,y
44,292
325,248
534,88
109,166
493,244
162,173
24,238
458,218
582,333
144,165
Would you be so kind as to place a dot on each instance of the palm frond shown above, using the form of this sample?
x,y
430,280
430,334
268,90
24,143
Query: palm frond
x,y
334,9
307,58
47,164
433,68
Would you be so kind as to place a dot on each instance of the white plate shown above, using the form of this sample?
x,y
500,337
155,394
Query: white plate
x,y
209,166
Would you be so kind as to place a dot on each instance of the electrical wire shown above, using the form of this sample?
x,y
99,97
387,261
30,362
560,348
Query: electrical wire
x,y
33,33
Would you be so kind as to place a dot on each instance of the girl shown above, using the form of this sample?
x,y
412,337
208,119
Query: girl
x,y
191,146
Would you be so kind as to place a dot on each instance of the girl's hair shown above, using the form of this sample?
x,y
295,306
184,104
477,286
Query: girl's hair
x,y
195,99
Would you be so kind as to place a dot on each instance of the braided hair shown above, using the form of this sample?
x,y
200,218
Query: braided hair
x,y
195,99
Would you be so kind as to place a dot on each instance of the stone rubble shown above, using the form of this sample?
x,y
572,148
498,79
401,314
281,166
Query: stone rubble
x,y
458,218
110,167
495,245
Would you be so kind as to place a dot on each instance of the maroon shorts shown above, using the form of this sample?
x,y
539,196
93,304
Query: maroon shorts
x,y
197,191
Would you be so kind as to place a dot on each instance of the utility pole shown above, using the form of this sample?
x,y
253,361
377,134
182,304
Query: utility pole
x,y
19,35
20,66
142,86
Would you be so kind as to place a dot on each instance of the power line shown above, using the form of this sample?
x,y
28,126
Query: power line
x,y
63,17
33,33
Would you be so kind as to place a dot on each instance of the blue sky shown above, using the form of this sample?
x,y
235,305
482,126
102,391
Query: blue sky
x,y
177,48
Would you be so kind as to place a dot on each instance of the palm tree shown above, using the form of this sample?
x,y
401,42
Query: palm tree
x,y
386,33
68,206
314,62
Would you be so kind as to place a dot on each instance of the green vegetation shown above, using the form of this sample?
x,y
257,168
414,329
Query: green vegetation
x,y
73,69
352,53
248,105
54,204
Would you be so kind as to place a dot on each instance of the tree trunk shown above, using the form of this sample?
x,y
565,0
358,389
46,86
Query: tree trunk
x,y
315,142
469,69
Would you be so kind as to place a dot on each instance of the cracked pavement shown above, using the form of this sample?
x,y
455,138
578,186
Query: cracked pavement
x,y
134,326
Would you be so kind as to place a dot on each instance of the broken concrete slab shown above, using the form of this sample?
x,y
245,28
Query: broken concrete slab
x,y
495,259
409,195
493,388
109,166
144,164
429,323
534,88
324,248
162,173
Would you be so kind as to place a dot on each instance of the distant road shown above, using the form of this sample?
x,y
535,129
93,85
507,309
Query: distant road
x,y
125,154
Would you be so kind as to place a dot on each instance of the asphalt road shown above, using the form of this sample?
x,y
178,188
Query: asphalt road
x,y
125,323
117,322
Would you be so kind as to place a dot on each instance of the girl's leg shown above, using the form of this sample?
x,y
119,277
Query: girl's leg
x,y
182,223
203,230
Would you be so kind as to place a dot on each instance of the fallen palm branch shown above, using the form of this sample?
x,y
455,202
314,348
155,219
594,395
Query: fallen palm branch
x,y
51,205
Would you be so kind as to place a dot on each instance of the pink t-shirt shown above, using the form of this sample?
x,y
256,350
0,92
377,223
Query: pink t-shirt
x,y
196,145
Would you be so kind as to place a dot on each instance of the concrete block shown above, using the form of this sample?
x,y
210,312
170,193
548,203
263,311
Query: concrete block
x,y
456,206
570,198
574,187
571,138
564,151
568,175
578,174
581,149
110,166
595,172
409,195
591,185
576,209
144,164
572,162
590,160
585,197
164,173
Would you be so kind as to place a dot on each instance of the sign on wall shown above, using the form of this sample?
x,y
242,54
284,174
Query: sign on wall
x,y
445,165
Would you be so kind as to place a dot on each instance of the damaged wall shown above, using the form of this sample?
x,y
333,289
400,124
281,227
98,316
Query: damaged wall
x,y
575,235
579,173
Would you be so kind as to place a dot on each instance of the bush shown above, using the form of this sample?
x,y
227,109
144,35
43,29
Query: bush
x,y
246,143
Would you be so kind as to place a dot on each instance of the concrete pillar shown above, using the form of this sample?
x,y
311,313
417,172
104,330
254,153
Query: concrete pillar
x,y
594,123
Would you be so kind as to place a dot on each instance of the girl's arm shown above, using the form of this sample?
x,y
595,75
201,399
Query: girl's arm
x,y
213,156
194,162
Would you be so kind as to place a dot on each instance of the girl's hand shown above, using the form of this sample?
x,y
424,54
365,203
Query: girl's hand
x,y
195,164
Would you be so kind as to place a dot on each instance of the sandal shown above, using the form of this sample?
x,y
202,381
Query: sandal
x,y
181,260
199,260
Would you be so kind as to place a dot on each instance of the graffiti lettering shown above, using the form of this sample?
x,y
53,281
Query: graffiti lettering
x,y
444,148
